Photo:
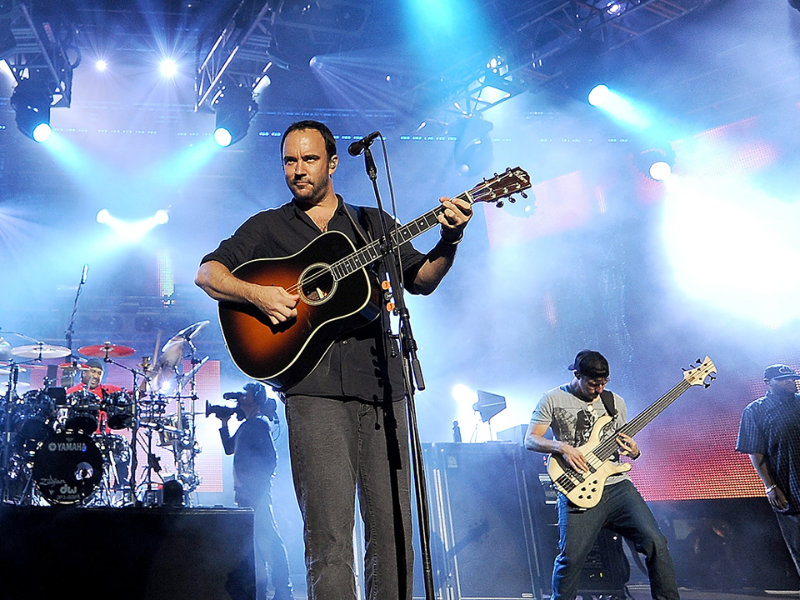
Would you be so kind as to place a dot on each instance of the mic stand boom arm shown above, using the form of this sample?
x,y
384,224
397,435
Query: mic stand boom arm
x,y
410,365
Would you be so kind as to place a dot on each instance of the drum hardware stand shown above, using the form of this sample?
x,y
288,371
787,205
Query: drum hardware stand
x,y
68,380
7,409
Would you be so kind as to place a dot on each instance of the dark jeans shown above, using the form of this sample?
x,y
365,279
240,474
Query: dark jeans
x,y
269,547
623,510
790,528
340,447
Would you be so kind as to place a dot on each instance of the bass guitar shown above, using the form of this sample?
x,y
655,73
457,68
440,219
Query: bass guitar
x,y
337,295
585,489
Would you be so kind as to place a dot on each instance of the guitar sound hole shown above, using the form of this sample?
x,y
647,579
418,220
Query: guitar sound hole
x,y
316,284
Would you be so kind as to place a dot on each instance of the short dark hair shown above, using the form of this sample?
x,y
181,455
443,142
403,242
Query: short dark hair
x,y
330,142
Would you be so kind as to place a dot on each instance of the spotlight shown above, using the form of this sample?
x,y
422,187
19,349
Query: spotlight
x,y
101,65
168,68
235,109
473,148
599,95
31,101
656,161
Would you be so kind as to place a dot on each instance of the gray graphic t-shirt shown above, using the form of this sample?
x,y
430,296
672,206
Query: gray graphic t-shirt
x,y
572,419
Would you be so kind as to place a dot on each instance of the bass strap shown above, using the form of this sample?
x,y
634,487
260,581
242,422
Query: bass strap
x,y
608,402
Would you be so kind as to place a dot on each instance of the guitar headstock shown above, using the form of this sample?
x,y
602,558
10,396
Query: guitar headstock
x,y
703,374
510,181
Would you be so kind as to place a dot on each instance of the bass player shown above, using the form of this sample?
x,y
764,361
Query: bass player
x,y
571,410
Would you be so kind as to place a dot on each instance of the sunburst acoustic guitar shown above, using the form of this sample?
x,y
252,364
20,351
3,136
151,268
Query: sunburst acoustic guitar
x,y
337,295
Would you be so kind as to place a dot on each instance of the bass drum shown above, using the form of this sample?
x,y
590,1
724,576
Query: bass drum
x,y
67,468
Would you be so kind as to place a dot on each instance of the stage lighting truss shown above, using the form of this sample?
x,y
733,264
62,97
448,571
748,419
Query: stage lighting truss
x,y
33,45
261,34
32,42
235,108
493,86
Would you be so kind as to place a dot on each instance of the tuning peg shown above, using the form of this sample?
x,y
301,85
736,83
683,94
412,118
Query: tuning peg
x,y
524,195
499,204
512,199
698,361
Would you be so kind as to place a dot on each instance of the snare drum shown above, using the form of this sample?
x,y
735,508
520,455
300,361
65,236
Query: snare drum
x,y
67,468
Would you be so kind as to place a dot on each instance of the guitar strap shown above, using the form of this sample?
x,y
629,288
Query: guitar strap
x,y
608,401
359,224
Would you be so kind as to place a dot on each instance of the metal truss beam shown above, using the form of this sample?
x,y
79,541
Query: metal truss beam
x,y
239,55
38,52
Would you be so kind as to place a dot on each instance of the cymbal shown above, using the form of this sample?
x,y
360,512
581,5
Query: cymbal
x,y
41,350
5,349
105,350
69,365
189,332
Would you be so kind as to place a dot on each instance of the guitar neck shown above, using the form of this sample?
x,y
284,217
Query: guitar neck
x,y
399,236
606,450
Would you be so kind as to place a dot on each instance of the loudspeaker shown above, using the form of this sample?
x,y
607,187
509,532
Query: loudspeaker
x,y
483,522
126,553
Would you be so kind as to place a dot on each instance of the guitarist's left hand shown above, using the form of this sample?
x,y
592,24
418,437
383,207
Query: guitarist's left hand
x,y
628,446
454,219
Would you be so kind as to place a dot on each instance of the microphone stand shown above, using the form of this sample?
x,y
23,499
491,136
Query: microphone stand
x,y
71,327
411,366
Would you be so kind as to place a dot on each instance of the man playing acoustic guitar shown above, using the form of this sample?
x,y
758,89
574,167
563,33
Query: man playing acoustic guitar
x,y
571,410
346,415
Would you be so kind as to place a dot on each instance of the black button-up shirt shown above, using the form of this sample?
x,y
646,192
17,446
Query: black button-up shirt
x,y
357,365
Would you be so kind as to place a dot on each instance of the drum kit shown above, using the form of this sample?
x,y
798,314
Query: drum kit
x,y
81,448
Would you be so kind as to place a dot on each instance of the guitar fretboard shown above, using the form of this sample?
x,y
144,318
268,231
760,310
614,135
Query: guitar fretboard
x,y
606,449
400,235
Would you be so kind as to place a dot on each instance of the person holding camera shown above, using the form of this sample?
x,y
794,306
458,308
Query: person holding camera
x,y
254,461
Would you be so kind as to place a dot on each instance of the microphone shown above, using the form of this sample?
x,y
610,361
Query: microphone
x,y
84,273
359,146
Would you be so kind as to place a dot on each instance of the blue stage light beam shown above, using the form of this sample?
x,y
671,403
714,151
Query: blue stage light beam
x,y
619,107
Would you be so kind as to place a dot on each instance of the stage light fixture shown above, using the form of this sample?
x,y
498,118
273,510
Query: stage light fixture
x,y
31,101
598,95
235,108
656,161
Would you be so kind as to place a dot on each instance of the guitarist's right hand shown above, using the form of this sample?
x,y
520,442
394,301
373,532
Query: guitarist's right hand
x,y
275,302
574,457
